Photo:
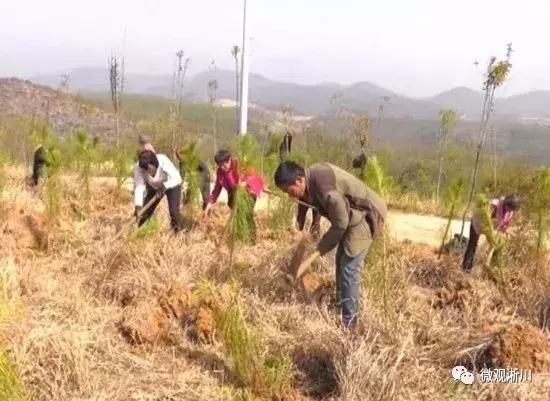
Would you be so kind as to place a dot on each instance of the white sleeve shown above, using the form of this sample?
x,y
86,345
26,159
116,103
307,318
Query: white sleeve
x,y
173,177
139,186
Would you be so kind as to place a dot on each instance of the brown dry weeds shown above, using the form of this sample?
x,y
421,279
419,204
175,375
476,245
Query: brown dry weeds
x,y
66,337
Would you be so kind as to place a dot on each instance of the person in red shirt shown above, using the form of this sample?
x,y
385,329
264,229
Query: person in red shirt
x,y
229,177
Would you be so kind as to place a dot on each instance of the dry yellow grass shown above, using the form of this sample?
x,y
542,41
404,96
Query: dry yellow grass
x,y
66,342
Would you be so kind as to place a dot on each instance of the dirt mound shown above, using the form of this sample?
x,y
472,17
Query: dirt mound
x,y
519,346
160,319
23,229
455,293
317,286
449,285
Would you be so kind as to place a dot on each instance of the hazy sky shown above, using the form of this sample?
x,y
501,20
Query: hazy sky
x,y
414,47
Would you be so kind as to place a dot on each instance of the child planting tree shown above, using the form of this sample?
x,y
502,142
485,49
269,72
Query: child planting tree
x,y
155,175
501,212
243,186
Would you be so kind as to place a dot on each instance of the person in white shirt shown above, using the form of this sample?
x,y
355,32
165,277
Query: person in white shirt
x,y
155,174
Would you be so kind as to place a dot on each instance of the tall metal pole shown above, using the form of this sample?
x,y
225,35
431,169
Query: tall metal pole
x,y
244,79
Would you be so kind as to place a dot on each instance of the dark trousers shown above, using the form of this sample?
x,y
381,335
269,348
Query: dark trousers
x,y
37,168
348,284
173,195
470,254
205,193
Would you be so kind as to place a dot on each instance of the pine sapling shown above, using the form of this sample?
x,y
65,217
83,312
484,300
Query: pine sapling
x,y
375,179
84,149
453,199
189,165
242,227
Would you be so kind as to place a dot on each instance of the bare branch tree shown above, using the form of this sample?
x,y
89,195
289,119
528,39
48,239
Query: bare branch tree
x,y
497,73
177,92
64,83
384,100
116,79
287,116
235,50
212,96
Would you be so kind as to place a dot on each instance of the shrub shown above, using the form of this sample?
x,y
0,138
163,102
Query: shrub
x,y
10,386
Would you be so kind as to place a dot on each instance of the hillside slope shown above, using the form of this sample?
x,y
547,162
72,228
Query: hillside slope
x,y
361,97
64,112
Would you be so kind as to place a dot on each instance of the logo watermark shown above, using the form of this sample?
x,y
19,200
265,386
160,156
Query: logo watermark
x,y
498,375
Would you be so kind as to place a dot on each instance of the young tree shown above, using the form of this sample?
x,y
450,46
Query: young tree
x,y
64,83
361,132
212,96
177,92
495,159
235,50
116,79
447,122
384,100
453,199
287,116
497,72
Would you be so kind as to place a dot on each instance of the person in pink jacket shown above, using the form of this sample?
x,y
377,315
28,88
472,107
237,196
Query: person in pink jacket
x,y
502,212
229,177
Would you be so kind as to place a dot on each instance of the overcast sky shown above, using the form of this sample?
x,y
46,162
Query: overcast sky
x,y
413,47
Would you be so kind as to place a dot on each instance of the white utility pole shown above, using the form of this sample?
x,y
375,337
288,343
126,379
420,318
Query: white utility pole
x,y
244,79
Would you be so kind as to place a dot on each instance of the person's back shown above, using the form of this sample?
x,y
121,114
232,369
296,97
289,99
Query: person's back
x,y
356,214
325,177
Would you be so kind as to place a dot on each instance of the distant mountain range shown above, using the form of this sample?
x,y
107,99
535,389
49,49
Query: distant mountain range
x,y
361,97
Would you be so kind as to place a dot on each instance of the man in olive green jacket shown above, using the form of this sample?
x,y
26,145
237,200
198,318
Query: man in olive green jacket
x,y
356,214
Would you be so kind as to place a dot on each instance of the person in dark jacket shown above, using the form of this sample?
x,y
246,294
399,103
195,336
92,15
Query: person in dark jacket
x,y
356,214
285,147
204,175
38,164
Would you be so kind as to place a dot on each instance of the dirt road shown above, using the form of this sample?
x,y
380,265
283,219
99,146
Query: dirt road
x,y
422,229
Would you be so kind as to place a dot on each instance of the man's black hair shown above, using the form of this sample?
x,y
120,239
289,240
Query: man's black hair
x,y
512,202
287,173
222,156
147,157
